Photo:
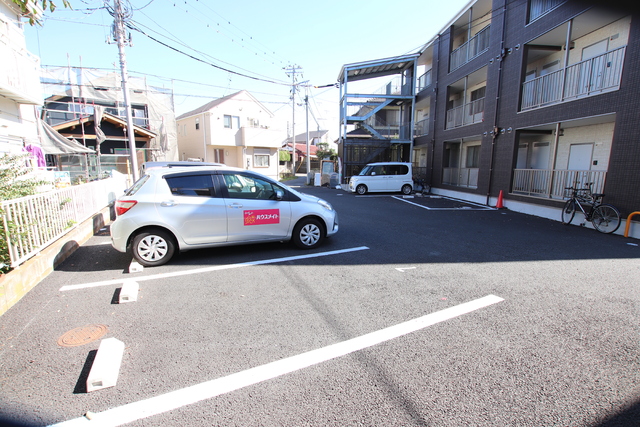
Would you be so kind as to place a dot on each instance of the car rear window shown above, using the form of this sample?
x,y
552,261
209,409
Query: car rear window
x,y
191,185
138,184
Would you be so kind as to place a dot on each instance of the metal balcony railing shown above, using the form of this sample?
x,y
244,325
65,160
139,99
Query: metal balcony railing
x,y
586,78
422,127
551,183
466,114
460,177
470,49
424,81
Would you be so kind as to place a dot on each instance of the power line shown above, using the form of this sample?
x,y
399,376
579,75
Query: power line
x,y
203,61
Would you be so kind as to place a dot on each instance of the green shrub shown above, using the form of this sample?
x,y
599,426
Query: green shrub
x,y
13,185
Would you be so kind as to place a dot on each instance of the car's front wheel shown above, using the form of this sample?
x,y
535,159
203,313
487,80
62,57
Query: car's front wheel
x,y
361,189
308,234
153,247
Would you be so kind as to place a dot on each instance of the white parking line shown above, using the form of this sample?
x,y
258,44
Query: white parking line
x,y
482,207
209,389
209,269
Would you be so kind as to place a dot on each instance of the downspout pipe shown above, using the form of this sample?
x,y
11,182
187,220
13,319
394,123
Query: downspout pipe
x,y
434,109
495,131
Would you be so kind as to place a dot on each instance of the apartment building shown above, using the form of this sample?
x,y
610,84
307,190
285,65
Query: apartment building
x,y
526,97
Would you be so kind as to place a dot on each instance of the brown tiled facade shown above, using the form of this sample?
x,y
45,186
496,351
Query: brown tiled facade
x,y
505,106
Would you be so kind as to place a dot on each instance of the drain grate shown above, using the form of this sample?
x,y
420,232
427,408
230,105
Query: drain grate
x,y
82,335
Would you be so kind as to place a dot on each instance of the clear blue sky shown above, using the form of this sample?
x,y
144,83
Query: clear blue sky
x,y
254,38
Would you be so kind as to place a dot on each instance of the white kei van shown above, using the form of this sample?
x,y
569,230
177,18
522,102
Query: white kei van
x,y
383,177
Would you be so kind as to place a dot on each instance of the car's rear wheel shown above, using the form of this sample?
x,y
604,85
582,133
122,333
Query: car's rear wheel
x,y
153,247
308,233
406,189
361,189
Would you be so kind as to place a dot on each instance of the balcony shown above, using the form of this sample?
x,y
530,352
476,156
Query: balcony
x,y
422,127
590,77
471,49
424,81
551,183
467,114
19,75
255,137
460,177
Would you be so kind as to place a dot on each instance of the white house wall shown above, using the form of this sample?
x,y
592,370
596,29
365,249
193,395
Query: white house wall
x,y
256,130
19,84
601,137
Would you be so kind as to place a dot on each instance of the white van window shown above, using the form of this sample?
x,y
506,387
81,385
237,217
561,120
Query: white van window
x,y
398,170
374,170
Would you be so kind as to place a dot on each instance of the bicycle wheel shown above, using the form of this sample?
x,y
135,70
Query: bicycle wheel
x,y
605,219
568,211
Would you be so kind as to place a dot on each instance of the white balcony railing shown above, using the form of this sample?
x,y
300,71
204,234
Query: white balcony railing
x,y
460,177
424,81
586,78
422,127
19,75
472,112
471,49
551,183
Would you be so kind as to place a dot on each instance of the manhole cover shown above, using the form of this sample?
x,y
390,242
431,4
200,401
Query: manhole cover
x,y
81,336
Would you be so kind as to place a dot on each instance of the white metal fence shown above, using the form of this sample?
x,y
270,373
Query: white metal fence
x,y
31,223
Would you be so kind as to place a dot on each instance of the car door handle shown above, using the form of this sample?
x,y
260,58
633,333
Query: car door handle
x,y
168,203
235,206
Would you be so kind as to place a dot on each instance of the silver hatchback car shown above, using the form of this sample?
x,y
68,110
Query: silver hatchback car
x,y
182,208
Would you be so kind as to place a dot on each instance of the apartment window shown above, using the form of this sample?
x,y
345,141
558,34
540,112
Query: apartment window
x,y
537,8
231,122
473,156
261,157
478,93
197,123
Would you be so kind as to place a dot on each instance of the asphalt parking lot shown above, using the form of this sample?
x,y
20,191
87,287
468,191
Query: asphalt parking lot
x,y
421,311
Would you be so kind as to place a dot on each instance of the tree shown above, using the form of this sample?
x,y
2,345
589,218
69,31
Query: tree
x,y
28,7
325,152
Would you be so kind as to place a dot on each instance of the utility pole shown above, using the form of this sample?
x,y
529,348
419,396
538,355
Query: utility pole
x,y
306,103
119,32
293,70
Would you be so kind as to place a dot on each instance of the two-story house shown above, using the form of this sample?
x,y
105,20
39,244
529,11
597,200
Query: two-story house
x,y
236,130
526,97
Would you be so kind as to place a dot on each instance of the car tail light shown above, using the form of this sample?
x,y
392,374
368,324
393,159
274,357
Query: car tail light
x,y
122,206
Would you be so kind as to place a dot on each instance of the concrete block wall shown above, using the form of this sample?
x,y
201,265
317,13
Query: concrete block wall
x,y
15,284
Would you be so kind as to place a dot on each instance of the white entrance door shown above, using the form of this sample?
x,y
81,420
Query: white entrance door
x,y
593,72
580,160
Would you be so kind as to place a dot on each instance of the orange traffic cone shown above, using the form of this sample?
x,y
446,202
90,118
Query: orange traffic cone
x,y
500,205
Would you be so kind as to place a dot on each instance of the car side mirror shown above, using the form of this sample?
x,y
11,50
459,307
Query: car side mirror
x,y
279,194
373,173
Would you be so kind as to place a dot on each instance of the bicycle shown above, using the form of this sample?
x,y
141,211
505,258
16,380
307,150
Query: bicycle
x,y
604,217
424,188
